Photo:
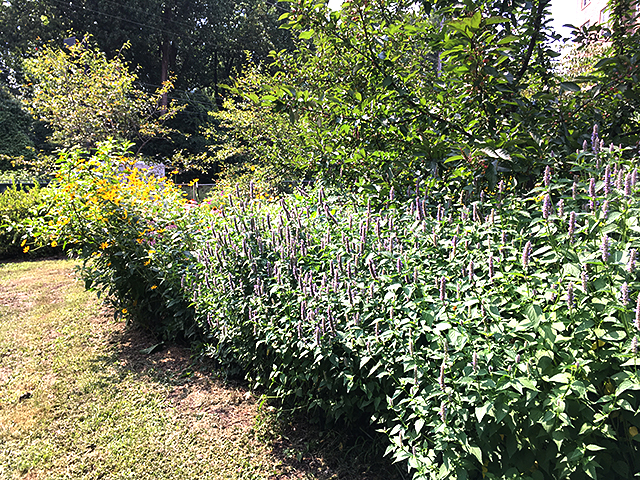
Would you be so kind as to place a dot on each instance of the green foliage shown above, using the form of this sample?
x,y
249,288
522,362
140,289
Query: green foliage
x,y
249,138
87,98
492,336
18,209
464,92
15,125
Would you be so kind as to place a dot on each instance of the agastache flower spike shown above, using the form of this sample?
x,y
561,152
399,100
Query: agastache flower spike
x,y
631,264
637,320
634,177
607,180
604,248
592,187
595,141
526,252
443,291
470,271
546,207
561,208
627,185
475,362
624,294
572,225
634,345
620,179
491,267
574,190
441,377
570,295
547,176
443,413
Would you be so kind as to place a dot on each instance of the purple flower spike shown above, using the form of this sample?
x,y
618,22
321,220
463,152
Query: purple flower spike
x,y
561,208
526,252
624,294
585,146
572,225
592,187
443,413
627,185
637,320
570,295
631,264
475,362
595,140
574,190
607,180
491,267
470,271
634,177
634,345
547,176
443,289
604,248
546,207
441,377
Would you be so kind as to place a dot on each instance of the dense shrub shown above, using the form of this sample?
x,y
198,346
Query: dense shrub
x,y
19,208
491,337
132,232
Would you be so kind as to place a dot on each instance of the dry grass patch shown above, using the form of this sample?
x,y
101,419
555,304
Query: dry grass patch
x,y
80,399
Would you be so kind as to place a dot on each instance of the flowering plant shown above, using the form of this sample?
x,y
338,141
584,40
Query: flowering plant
x,y
494,336
132,231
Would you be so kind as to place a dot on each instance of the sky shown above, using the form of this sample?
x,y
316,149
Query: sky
x,y
561,14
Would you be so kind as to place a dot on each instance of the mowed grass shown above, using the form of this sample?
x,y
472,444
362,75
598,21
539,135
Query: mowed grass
x,y
80,399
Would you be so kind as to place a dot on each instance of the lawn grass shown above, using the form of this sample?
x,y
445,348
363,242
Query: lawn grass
x,y
79,399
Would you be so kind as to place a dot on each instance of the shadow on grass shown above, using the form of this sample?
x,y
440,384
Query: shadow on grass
x,y
303,448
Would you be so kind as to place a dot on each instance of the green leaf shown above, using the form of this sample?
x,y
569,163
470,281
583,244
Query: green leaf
x,y
482,411
570,86
627,384
476,452
560,378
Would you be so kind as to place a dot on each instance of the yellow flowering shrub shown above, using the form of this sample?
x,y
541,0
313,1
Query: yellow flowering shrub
x,y
131,230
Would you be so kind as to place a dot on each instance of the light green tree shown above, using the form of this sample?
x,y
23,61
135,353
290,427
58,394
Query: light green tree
x,y
88,98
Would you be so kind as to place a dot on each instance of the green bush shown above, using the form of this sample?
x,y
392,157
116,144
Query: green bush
x,y
19,209
131,231
492,337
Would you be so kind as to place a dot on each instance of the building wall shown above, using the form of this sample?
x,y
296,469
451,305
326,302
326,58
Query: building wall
x,y
592,11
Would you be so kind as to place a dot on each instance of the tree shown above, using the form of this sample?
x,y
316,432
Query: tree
x,y
200,43
394,92
87,98
15,125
